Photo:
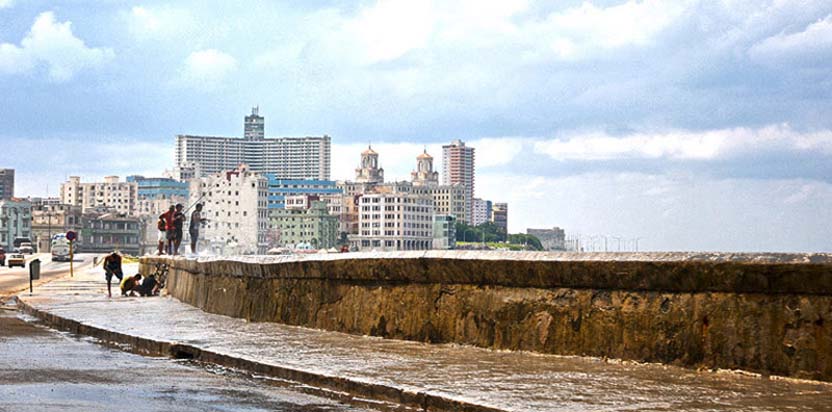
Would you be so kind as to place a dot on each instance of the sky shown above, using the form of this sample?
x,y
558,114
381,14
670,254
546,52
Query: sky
x,y
690,125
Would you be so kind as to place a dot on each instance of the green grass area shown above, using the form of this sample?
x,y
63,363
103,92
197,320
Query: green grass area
x,y
492,245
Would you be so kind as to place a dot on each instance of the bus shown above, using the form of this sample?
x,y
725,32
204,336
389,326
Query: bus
x,y
60,248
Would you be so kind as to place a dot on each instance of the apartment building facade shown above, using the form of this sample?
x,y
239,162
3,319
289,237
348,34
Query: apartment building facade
x,y
111,194
285,157
236,206
458,169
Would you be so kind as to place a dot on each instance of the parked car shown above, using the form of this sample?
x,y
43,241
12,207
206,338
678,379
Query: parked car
x,y
2,257
17,260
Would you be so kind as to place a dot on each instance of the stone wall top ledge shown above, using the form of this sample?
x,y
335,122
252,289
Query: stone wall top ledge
x,y
713,257
773,274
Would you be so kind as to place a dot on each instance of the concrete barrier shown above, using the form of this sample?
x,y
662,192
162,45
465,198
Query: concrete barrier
x,y
765,313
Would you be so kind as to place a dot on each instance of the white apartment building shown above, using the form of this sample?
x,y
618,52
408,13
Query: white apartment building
x,y
458,169
286,157
236,206
111,194
482,211
394,221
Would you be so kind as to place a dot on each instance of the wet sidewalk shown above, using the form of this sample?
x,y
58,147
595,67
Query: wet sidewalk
x,y
507,381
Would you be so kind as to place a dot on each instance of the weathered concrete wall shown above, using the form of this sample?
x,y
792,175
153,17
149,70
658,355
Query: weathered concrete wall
x,y
764,313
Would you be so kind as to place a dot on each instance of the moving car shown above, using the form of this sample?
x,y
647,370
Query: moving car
x,y
60,248
2,256
17,259
26,248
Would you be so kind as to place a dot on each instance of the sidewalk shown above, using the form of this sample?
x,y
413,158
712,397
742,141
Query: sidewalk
x,y
473,378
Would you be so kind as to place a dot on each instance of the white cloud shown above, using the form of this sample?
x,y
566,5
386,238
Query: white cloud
x,y
6,3
391,28
205,69
53,44
158,23
631,23
670,212
686,145
813,42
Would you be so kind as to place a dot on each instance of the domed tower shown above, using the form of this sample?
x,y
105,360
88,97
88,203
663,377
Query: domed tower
x,y
424,174
369,172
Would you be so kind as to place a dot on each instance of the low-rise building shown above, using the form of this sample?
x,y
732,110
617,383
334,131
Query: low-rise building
x,y
550,239
394,221
499,215
482,211
236,206
444,232
15,222
280,189
106,232
312,225
51,219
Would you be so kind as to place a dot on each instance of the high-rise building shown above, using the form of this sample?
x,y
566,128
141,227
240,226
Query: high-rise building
x,y
458,168
254,126
285,157
111,194
6,184
236,206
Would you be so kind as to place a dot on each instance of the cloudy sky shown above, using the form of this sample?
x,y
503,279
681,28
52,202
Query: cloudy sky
x,y
693,125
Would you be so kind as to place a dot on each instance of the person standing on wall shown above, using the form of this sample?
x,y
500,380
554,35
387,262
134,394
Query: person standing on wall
x,y
169,229
193,229
178,225
161,237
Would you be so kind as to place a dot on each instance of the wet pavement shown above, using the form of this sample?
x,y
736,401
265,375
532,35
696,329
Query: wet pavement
x,y
13,280
45,370
506,380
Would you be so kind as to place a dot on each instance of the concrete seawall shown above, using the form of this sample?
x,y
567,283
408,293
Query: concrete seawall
x,y
764,313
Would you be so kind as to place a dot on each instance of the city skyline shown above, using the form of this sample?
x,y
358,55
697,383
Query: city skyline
x,y
583,116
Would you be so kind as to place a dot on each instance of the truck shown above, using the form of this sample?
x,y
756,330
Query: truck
x,y
60,248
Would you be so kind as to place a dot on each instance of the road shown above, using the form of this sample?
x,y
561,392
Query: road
x,y
45,370
16,279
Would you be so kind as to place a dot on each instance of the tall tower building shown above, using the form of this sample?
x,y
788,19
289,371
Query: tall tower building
x,y
369,172
424,174
254,125
6,184
458,168
285,157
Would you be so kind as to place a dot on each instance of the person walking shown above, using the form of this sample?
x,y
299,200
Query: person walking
x,y
196,222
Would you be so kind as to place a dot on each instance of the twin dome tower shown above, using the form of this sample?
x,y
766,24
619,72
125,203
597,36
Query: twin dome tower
x,y
369,172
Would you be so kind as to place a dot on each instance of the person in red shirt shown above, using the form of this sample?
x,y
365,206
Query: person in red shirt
x,y
170,236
